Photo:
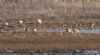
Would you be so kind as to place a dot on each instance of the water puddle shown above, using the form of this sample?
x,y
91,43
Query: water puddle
x,y
90,31
70,30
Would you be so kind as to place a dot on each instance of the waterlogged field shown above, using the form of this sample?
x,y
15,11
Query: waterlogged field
x,y
49,26
41,37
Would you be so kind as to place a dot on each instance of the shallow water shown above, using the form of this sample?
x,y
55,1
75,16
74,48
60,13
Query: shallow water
x,y
90,31
63,30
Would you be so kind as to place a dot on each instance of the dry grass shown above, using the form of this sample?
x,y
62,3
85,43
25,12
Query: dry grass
x,y
59,9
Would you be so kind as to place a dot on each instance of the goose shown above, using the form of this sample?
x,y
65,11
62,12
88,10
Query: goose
x,y
69,30
92,25
21,21
77,30
39,21
35,30
6,23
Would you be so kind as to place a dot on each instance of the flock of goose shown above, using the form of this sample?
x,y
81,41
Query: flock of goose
x,y
76,29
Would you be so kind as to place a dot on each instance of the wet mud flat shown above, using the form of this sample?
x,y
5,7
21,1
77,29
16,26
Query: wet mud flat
x,y
21,35
54,39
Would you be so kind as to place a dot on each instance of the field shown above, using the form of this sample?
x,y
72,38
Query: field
x,y
21,31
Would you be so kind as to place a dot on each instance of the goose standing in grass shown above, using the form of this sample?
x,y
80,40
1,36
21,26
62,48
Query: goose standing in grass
x,y
35,30
6,23
39,21
92,26
21,21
